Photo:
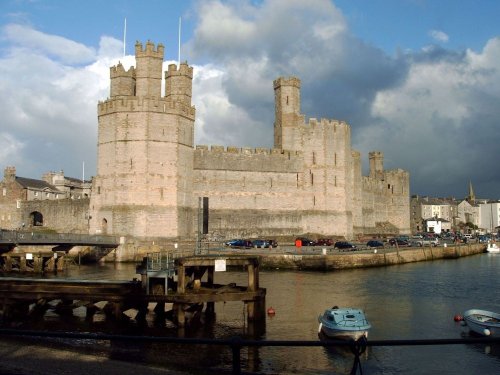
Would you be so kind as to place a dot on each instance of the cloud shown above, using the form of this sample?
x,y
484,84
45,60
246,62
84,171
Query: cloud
x,y
432,112
67,51
440,121
50,87
428,111
439,36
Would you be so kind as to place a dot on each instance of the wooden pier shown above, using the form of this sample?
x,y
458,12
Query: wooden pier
x,y
186,283
195,284
36,262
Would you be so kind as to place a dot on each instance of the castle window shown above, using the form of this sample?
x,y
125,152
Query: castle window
x,y
4,192
388,186
36,193
314,157
312,179
287,99
98,190
335,181
335,159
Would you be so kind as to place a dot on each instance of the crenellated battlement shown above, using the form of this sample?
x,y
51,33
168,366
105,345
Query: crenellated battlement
x,y
286,81
150,50
313,122
118,71
247,159
216,149
136,104
184,70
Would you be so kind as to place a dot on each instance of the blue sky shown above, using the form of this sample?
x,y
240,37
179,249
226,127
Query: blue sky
x,y
416,79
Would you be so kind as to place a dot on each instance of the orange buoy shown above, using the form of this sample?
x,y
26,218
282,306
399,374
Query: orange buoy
x,y
271,311
458,318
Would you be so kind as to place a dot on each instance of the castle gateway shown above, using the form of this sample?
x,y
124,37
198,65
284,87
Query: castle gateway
x,y
150,175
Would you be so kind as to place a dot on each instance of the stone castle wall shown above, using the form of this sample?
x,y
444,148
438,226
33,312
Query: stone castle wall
x,y
64,215
151,175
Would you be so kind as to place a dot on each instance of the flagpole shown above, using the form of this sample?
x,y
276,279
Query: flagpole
x,y
179,55
124,35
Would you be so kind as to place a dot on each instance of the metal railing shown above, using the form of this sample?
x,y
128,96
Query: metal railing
x,y
236,344
26,237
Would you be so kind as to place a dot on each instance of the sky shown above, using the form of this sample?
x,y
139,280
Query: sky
x,y
418,80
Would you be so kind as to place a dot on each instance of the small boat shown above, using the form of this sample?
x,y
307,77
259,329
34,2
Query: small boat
x,y
492,248
482,322
343,323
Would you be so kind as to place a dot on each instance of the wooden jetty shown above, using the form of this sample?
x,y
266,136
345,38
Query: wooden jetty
x,y
186,282
36,262
195,283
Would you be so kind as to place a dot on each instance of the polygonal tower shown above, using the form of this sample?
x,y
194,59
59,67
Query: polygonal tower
x,y
145,151
287,112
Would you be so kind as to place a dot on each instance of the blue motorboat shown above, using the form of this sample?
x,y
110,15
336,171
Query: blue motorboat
x,y
343,323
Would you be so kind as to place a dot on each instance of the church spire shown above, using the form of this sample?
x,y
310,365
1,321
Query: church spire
x,y
472,197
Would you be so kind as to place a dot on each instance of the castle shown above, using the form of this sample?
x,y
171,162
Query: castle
x,y
151,176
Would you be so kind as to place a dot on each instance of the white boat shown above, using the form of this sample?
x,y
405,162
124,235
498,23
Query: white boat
x,y
482,322
492,248
343,323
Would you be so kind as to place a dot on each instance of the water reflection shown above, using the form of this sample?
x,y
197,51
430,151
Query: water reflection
x,y
414,301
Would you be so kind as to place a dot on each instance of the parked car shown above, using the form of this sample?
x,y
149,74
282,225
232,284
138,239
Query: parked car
x,y
261,243
239,243
345,246
324,242
305,241
272,243
374,243
399,242
425,241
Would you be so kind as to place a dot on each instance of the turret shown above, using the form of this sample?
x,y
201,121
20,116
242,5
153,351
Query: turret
x,y
376,165
148,69
287,108
122,81
179,83
9,174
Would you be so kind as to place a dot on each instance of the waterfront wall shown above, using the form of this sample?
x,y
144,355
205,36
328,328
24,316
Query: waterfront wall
x,y
333,262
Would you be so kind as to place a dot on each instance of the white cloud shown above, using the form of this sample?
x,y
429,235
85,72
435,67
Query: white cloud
x,y
50,88
432,113
60,48
439,36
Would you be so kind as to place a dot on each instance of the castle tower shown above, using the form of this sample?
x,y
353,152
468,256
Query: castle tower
x,y
287,112
143,185
149,68
376,165
9,174
122,82
179,83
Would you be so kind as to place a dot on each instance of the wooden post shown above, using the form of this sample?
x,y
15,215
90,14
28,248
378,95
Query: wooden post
x,y
181,289
22,263
210,309
252,281
60,263
8,263
38,263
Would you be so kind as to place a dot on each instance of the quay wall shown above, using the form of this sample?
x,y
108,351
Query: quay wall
x,y
333,262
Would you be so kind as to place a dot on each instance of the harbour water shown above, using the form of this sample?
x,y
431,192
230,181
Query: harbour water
x,y
411,301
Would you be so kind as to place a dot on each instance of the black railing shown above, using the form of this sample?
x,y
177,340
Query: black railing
x,y
236,344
